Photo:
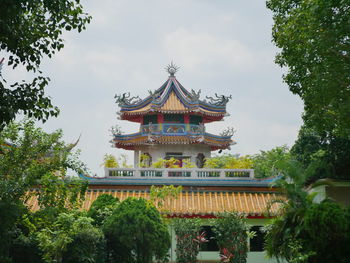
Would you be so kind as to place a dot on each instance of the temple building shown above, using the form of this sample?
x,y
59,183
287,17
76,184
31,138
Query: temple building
x,y
172,123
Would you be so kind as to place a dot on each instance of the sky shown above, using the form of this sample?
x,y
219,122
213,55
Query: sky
x,y
221,47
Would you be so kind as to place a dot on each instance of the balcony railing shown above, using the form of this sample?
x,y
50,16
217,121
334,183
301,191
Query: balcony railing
x,y
173,128
184,173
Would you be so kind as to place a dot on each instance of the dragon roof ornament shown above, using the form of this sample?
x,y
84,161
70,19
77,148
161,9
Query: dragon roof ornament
x,y
124,99
220,100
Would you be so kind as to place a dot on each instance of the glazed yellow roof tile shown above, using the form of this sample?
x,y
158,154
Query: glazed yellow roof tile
x,y
193,203
173,104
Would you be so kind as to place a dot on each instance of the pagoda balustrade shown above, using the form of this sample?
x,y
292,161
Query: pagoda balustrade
x,y
173,128
185,173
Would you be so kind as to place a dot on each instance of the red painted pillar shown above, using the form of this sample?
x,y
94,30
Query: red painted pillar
x,y
187,121
160,120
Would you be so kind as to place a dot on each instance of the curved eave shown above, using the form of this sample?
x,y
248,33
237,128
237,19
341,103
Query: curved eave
x,y
147,105
129,142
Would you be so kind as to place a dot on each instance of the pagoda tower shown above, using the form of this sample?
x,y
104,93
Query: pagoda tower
x,y
172,123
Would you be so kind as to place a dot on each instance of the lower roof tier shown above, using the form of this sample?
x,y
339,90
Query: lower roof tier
x,y
193,203
131,141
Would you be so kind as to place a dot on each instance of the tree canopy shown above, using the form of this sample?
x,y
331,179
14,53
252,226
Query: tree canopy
x,y
304,230
30,157
102,208
314,39
30,31
135,232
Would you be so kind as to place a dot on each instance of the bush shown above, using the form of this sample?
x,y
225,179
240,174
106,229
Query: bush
x,y
135,233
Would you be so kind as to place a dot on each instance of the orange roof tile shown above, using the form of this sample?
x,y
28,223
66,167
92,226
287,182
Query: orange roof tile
x,y
173,104
193,203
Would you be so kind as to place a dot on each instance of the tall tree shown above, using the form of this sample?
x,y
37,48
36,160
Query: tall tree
x,y
29,157
314,38
136,233
29,31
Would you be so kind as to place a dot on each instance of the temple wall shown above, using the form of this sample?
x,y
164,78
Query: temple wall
x,y
213,257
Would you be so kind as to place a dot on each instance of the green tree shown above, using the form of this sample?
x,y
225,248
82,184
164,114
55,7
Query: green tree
x,y
28,157
102,208
314,39
328,157
71,238
231,232
265,163
188,239
136,233
305,231
109,161
30,31
229,161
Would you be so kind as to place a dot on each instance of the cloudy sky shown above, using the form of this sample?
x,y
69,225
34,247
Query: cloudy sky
x,y
221,46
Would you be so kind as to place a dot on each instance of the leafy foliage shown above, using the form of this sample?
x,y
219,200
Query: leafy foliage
x,y
231,231
166,163
109,161
314,39
159,194
188,164
265,163
188,239
102,208
136,233
145,160
61,192
29,157
69,229
31,30
306,231
11,212
33,154
229,161
327,156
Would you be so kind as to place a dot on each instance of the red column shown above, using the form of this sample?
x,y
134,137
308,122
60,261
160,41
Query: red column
x,y
160,118
187,121
187,118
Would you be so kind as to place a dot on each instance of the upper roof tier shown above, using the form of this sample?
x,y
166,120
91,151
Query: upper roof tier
x,y
172,98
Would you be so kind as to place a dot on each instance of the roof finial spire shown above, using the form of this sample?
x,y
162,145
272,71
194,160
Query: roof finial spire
x,y
172,69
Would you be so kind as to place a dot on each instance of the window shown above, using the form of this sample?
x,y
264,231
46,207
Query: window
x,y
257,242
150,119
195,119
172,154
174,118
211,245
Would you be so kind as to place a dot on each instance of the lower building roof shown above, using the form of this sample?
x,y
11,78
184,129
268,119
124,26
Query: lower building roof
x,y
194,203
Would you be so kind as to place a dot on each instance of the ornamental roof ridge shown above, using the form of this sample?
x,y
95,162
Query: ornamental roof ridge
x,y
159,97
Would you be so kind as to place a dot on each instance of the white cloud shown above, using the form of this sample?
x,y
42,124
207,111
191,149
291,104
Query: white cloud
x,y
203,49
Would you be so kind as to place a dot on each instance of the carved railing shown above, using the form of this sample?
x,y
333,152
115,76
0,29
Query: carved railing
x,y
185,173
173,128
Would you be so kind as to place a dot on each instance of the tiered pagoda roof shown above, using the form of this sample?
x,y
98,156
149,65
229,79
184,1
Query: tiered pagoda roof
x,y
172,98
130,141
